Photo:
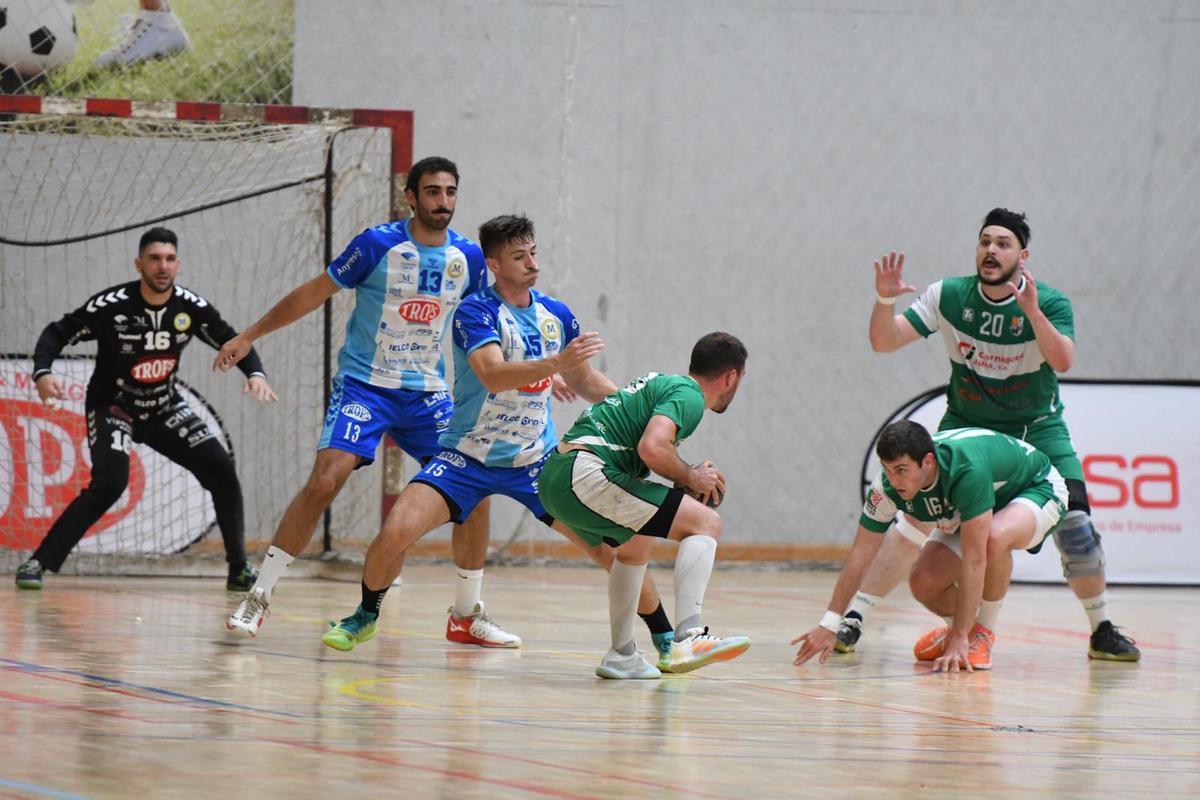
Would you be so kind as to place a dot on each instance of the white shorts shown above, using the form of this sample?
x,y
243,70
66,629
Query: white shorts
x,y
1048,502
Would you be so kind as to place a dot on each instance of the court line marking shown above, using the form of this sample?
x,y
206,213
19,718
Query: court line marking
x,y
122,687
43,791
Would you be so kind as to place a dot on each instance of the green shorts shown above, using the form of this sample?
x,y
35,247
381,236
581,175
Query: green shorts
x,y
603,504
1050,435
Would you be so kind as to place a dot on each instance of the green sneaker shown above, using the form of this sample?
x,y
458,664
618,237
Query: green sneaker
x,y
662,644
242,580
359,627
29,574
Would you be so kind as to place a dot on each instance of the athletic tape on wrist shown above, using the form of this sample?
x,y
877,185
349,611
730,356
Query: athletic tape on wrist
x,y
885,301
831,621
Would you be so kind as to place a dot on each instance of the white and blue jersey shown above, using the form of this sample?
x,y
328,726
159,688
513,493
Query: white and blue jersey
x,y
405,295
513,428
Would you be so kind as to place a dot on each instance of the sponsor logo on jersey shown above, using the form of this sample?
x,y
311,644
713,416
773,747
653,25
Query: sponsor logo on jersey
x,y
551,329
129,337
967,349
180,338
357,411
452,458
456,268
419,309
874,500
182,321
969,314
407,255
1016,325
435,398
153,369
538,387
349,263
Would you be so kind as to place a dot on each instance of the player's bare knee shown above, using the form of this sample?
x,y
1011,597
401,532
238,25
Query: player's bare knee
x,y
1079,546
321,488
710,524
924,584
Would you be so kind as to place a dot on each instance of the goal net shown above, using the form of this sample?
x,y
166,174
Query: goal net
x,y
260,197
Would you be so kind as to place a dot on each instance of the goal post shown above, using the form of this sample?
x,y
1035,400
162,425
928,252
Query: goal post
x,y
262,197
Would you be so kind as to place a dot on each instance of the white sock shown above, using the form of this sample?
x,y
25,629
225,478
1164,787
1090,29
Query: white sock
x,y
1096,609
467,590
273,566
693,568
624,589
989,613
862,603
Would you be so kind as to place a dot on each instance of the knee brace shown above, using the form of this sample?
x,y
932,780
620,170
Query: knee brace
x,y
1079,546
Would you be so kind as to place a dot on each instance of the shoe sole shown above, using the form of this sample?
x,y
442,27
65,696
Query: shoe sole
x,y
481,643
723,654
345,645
838,647
613,675
1100,655
29,585
250,634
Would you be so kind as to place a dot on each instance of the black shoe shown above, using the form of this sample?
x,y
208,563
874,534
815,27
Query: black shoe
x,y
242,580
848,634
1110,644
29,574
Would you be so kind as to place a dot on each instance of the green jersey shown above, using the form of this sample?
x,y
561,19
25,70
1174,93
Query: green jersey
x,y
997,373
613,427
979,470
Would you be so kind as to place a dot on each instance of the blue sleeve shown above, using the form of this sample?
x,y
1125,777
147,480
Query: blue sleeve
x,y
474,326
359,259
477,273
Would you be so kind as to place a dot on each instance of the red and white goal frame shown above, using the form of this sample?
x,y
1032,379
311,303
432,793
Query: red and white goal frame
x,y
399,123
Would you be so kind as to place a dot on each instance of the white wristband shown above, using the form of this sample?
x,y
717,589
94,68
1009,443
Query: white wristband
x,y
830,621
885,301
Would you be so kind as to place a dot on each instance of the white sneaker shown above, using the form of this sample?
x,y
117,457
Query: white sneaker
x,y
623,668
478,628
700,647
148,35
250,613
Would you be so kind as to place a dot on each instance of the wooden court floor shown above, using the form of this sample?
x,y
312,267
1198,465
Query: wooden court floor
x,y
131,688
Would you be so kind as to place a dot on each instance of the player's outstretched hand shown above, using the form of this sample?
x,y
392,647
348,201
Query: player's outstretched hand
x,y
231,353
562,393
258,388
954,659
1027,295
817,642
581,348
50,391
889,276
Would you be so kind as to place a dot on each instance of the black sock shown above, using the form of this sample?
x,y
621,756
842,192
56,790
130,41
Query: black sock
x,y
371,599
854,614
657,620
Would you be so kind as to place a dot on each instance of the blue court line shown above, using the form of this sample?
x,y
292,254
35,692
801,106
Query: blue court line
x,y
40,790
27,667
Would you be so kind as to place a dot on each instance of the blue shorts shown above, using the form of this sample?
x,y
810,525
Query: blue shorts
x,y
463,482
360,414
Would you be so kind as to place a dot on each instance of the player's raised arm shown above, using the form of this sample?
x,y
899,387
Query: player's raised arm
x,y
297,303
593,384
819,640
890,331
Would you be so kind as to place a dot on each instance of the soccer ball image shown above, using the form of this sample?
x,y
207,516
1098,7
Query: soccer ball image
x,y
36,36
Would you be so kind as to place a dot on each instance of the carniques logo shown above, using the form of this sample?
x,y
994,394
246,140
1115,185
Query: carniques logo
x,y
452,458
456,268
967,349
357,411
182,321
153,369
420,310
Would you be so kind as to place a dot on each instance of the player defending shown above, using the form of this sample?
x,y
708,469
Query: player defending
x,y
140,330
1007,337
409,277
509,340
987,494
596,483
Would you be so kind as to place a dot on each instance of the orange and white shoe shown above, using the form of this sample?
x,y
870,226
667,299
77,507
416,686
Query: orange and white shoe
x,y
981,641
700,647
931,646
477,628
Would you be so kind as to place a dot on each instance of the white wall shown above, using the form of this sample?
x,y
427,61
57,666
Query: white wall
x,y
739,165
